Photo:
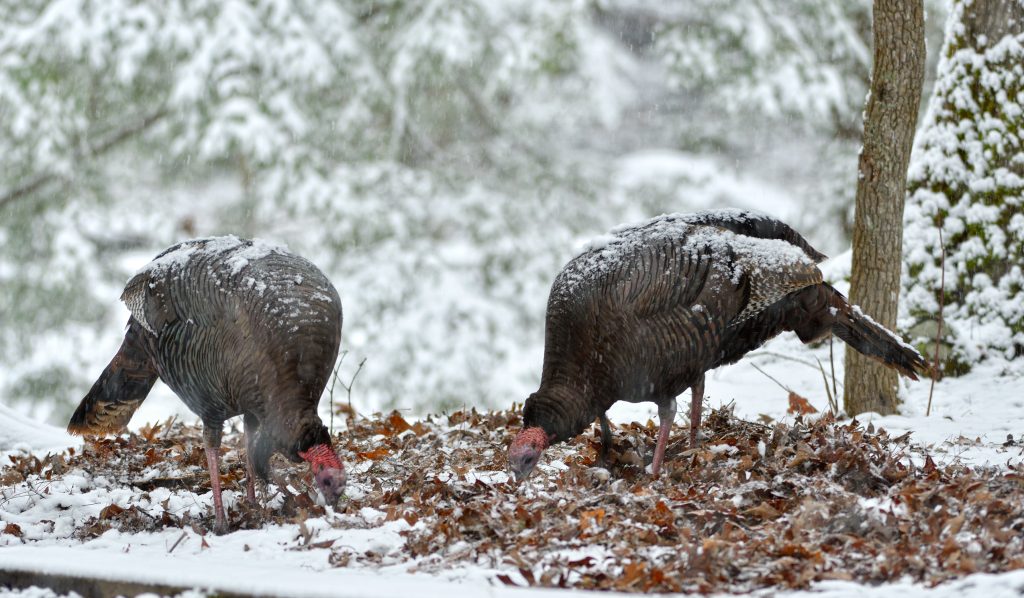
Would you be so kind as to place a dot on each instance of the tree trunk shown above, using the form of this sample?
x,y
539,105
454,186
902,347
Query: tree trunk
x,y
889,123
992,19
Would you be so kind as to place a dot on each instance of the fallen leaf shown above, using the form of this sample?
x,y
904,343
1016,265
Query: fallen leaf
x,y
799,405
763,511
374,455
396,424
110,511
591,518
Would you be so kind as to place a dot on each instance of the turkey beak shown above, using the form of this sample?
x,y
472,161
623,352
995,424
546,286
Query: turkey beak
x,y
523,461
332,484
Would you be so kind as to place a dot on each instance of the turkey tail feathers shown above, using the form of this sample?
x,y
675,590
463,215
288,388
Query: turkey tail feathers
x,y
118,392
870,338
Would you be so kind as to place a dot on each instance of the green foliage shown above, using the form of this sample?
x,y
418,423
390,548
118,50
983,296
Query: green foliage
x,y
967,178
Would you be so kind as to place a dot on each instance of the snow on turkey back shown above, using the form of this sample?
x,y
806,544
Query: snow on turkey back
x,y
700,233
233,266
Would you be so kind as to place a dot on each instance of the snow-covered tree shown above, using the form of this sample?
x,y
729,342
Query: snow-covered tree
x,y
807,60
387,141
967,181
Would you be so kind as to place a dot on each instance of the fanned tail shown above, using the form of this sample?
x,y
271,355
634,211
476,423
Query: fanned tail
x,y
870,338
119,391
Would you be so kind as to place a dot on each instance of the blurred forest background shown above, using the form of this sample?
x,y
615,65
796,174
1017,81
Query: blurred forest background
x,y
440,160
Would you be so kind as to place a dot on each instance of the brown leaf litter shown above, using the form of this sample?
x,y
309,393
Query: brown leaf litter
x,y
755,506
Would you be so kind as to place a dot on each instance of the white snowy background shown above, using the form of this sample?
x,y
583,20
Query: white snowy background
x,y
440,161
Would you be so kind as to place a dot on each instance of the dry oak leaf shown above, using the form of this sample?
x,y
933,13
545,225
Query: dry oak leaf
x,y
799,405
374,455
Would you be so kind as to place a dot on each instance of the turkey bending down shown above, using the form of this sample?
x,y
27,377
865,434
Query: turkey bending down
x,y
233,327
641,315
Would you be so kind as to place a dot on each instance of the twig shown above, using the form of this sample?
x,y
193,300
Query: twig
x,y
330,391
178,541
767,375
336,380
938,331
832,366
167,425
351,383
832,403
780,356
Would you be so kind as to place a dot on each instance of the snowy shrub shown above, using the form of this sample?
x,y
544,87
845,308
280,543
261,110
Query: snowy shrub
x,y
439,160
966,178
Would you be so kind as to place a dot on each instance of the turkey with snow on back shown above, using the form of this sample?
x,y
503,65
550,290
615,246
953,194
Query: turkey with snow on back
x,y
643,313
233,327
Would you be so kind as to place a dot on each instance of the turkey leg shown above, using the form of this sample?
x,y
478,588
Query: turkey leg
x,y
250,425
250,482
696,403
606,440
211,438
666,413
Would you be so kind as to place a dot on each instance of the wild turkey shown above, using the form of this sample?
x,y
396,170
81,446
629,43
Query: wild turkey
x,y
233,327
644,313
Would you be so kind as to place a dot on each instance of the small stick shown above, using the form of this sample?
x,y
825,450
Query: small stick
x,y
938,331
784,387
330,391
351,383
809,364
178,541
832,366
832,404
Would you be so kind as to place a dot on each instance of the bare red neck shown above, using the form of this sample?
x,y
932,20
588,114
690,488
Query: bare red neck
x,y
320,457
534,437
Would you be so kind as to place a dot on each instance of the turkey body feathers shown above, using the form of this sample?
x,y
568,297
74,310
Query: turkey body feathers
x,y
641,315
232,327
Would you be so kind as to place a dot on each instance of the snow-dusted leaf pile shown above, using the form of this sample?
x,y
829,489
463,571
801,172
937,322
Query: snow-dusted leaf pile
x,y
755,506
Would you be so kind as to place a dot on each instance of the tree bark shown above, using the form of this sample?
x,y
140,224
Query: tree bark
x,y
889,124
993,19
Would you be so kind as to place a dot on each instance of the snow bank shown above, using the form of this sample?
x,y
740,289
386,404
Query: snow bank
x,y
21,433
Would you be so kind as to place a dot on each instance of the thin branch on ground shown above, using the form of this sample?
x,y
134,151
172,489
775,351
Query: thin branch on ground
x,y
832,404
767,375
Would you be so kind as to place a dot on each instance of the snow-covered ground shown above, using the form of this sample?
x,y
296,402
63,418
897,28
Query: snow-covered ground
x,y
970,421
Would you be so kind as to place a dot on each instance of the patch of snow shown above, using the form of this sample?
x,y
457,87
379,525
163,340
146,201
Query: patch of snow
x,y
21,433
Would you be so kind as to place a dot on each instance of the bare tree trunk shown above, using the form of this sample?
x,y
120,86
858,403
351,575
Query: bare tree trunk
x,y
889,124
992,19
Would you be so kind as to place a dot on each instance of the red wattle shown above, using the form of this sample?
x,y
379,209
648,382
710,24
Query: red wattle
x,y
321,456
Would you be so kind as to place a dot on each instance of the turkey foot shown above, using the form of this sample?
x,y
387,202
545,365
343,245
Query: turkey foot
x,y
696,403
212,457
666,413
250,483
606,442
